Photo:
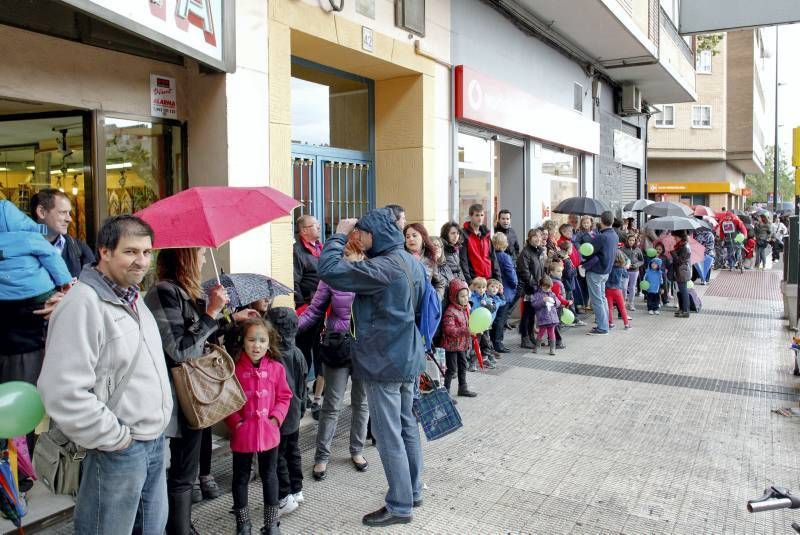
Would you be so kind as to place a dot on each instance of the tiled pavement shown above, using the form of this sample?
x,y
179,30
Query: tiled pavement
x,y
662,429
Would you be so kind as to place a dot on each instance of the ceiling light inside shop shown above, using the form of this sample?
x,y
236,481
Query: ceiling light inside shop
x,y
4,169
123,165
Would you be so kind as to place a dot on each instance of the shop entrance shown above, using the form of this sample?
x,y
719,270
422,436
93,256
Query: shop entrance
x,y
48,150
333,143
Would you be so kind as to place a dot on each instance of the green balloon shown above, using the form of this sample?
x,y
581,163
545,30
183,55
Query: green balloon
x,y
652,253
480,320
739,238
644,285
21,409
689,285
586,249
567,317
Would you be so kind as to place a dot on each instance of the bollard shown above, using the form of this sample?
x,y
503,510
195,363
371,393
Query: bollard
x,y
791,252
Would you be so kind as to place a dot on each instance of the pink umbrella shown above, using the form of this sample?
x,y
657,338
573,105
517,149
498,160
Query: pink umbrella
x,y
212,216
698,251
712,220
703,210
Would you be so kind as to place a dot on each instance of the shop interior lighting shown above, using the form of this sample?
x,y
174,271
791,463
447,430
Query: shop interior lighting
x,y
75,185
4,169
123,165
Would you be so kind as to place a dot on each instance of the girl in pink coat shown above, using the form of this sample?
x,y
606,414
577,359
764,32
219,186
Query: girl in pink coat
x,y
256,427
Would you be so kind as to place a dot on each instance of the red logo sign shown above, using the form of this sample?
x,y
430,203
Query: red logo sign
x,y
194,12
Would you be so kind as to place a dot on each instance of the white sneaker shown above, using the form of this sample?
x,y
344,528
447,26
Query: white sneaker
x,y
287,505
651,312
657,312
298,497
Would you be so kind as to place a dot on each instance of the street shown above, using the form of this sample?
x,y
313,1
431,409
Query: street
x,y
662,429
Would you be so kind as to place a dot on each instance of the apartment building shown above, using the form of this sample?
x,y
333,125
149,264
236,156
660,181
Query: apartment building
x,y
699,153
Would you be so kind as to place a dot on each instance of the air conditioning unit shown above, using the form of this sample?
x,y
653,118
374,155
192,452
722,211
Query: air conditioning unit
x,y
631,100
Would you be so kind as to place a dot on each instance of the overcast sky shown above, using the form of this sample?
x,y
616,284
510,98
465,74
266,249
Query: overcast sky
x,y
788,73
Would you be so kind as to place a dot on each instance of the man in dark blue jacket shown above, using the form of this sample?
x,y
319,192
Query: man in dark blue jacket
x,y
388,354
598,266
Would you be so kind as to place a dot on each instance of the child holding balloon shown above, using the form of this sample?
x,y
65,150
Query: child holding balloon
x,y
616,284
479,298
636,259
651,285
456,337
544,303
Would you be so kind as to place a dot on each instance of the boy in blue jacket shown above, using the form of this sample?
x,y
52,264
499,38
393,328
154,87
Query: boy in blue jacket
x,y
30,267
655,279
480,298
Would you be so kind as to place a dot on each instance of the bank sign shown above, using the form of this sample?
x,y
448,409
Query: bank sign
x,y
201,29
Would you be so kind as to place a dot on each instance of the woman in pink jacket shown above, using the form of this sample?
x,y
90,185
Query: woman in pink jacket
x,y
256,427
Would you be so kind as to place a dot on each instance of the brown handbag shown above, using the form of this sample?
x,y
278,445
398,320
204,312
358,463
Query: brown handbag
x,y
207,388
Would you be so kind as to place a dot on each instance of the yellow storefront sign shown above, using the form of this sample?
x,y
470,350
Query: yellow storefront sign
x,y
691,187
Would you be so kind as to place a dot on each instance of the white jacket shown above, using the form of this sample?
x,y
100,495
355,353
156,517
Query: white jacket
x,y
91,342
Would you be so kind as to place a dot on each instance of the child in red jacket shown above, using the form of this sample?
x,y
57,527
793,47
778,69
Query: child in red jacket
x,y
255,428
748,253
456,338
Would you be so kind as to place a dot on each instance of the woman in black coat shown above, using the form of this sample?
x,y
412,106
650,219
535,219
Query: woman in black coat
x,y
530,270
453,240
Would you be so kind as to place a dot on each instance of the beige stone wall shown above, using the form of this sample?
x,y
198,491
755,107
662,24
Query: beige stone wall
x,y
711,90
686,170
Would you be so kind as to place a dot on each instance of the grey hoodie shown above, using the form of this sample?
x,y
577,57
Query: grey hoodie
x,y
91,342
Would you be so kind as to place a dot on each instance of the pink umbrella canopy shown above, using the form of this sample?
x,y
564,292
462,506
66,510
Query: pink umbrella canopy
x,y
701,210
212,216
698,251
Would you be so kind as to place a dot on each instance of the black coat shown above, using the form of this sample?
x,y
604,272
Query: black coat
x,y
530,268
452,258
76,254
306,277
285,321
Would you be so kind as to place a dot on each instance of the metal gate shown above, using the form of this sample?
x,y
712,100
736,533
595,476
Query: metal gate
x,y
630,185
332,189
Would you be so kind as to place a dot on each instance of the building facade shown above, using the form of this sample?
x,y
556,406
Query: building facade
x,y
551,100
700,153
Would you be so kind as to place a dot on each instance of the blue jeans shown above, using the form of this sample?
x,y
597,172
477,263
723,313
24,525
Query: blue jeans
x,y
397,434
123,491
597,294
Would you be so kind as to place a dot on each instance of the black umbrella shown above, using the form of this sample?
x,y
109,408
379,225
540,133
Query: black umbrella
x,y
673,223
245,288
662,209
637,206
581,206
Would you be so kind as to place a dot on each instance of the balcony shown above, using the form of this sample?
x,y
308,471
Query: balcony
x,y
670,79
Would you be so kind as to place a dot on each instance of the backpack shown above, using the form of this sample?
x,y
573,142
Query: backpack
x,y
428,312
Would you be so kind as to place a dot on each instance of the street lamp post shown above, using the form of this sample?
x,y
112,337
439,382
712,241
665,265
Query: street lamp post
x,y
776,155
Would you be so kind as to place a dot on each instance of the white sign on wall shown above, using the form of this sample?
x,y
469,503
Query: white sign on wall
x,y
628,150
163,97
195,28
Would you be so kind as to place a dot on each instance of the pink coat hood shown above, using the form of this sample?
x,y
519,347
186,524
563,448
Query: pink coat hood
x,y
268,395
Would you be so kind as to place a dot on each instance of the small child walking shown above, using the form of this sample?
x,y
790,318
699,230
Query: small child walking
x,y
456,338
290,468
616,285
655,278
255,428
544,304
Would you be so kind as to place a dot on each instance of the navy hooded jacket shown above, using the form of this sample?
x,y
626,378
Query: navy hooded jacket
x,y
388,345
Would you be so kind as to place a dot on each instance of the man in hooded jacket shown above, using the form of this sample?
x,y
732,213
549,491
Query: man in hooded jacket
x,y
388,353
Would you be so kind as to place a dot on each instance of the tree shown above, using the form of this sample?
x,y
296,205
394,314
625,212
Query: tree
x,y
762,183
710,42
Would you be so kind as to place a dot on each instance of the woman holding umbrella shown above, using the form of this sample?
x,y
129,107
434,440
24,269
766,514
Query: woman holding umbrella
x,y
186,321
763,235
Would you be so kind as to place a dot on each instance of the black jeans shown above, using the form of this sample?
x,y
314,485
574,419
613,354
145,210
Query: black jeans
x,y
499,326
308,343
267,470
290,466
456,364
653,301
527,321
206,447
184,461
683,297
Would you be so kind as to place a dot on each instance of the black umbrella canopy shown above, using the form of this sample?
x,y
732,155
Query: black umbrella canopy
x,y
673,223
638,205
662,209
246,288
581,206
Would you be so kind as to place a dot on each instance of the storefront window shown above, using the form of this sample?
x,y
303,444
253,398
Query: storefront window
x,y
329,110
144,163
561,172
41,153
475,171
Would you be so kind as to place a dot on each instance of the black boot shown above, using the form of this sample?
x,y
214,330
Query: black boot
x,y
271,524
179,521
526,343
465,392
535,346
243,525
552,347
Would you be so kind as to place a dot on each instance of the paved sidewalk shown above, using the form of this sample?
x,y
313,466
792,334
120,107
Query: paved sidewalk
x,y
662,429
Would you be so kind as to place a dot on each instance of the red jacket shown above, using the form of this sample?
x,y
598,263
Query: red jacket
x,y
574,255
729,216
749,248
479,253
455,322
268,395
558,288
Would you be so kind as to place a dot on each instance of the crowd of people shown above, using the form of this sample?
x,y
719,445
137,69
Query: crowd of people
x,y
76,325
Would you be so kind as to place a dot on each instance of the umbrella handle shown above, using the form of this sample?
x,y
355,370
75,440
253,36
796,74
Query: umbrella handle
x,y
226,313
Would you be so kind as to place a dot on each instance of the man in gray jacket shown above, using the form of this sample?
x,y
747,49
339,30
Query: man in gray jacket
x,y
103,337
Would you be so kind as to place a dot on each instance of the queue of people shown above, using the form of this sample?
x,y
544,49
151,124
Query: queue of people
x,y
109,388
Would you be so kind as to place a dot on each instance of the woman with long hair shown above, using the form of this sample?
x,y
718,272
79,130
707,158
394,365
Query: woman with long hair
x,y
338,320
530,270
453,240
187,320
419,244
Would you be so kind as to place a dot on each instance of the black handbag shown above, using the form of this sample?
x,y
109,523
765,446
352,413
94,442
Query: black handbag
x,y
334,348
